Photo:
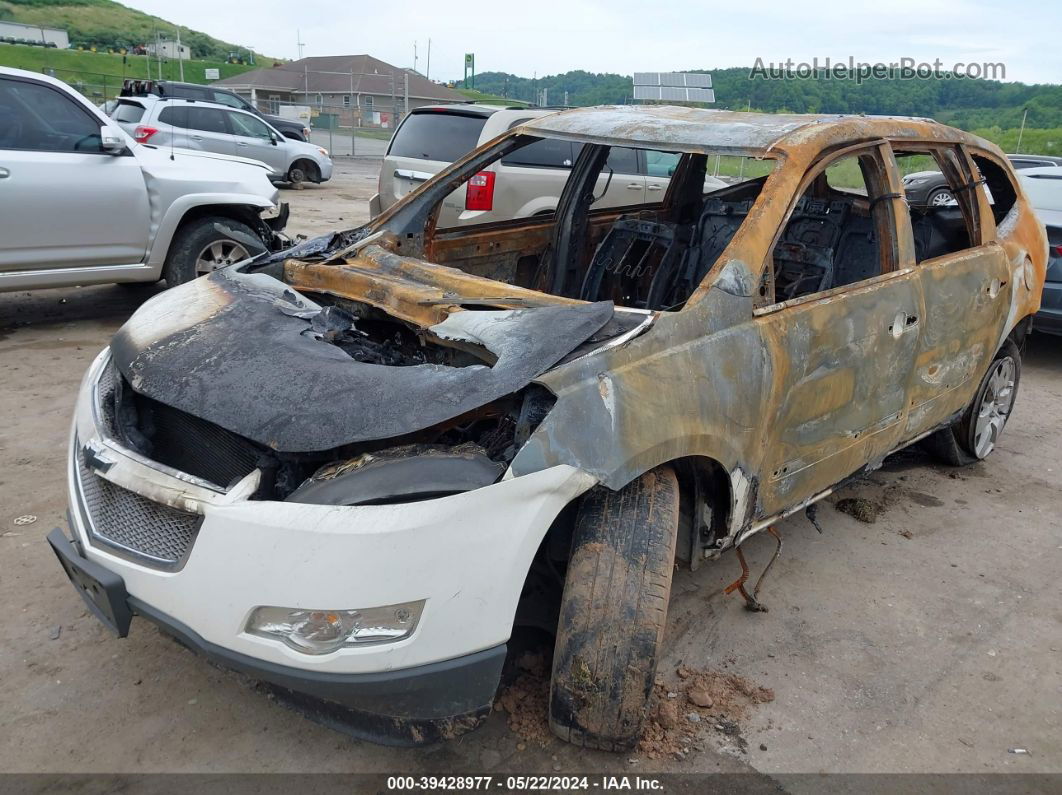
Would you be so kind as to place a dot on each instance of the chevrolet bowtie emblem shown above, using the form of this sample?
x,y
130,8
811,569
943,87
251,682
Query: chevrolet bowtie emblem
x,y
96,457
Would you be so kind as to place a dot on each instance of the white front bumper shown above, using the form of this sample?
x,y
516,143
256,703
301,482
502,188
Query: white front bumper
x,y
467,555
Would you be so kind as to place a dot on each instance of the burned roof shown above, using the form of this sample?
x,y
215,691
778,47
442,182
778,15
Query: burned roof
x,y
686,129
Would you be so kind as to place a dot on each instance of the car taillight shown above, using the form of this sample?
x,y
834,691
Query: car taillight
x,y
1058,250
480,192
142,133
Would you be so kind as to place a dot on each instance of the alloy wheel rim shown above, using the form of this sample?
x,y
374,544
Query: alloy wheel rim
x,y
941,199
218,254
996,403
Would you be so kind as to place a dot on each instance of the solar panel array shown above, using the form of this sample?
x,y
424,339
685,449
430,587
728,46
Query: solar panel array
x,y
680,79
673,87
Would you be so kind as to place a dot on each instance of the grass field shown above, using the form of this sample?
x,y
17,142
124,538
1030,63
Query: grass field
x,y
99,75
90,66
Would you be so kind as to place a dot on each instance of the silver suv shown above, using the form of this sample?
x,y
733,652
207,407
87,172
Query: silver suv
x,y
206,127
526,183
81,203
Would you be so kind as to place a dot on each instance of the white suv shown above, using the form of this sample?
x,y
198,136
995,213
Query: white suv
x,y
206,127
82,203
526,182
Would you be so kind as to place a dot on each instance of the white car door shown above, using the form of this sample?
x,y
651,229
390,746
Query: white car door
x,y
256,140
625,186
64,202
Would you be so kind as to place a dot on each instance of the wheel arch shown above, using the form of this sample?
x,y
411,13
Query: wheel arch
x,y
244,208
308,165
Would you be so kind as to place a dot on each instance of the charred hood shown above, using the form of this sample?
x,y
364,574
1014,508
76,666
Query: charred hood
x,y
248,353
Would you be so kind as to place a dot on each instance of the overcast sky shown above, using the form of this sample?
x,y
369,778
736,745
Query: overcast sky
x,y
551,36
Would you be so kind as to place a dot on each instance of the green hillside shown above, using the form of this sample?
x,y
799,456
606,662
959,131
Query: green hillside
x,y
99,75
990,108
107,25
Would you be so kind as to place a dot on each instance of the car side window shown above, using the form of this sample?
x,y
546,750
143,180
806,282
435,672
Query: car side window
x,y
660,164
544,153
37,117
175,116
942,201
249,126
840,232
622,160
225,98
1001,191
207,119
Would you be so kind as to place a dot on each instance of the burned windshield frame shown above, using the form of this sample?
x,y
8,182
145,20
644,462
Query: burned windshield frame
x,y
567,273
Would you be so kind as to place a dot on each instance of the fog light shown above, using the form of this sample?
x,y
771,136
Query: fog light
x,y
324,631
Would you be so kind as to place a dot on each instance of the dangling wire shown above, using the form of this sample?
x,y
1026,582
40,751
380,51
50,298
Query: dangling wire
x,y
751,602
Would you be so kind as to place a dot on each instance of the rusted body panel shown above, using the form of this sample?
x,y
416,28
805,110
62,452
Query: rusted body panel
x,y
789,398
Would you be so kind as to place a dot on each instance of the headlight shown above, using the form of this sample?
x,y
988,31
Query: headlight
x,y
325,631
323,151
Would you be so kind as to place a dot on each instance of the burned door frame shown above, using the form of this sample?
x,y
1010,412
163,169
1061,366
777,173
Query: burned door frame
x,y
842,359
966,296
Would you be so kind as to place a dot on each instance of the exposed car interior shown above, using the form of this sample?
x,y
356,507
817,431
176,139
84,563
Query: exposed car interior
x,y
940,230
647,256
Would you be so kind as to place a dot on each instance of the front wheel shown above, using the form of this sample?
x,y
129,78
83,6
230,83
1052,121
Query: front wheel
x,y
976,434
613,611
940,198
302,171
204,245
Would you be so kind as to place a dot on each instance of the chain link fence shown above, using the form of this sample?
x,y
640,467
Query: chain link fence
x,y
350,113
343,130
96,87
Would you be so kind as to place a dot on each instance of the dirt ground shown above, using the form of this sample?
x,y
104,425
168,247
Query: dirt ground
x,y
927,641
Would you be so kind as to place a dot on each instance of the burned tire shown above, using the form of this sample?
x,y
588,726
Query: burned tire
x,y
975,434
200,246
613,612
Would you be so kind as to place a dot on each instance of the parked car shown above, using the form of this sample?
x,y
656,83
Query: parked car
x,y
170,89
526,183
82,203
1043,186
358,468
205,127
1022,162
930,189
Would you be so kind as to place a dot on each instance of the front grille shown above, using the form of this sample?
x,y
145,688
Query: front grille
x,y
173,437
193,445
147,531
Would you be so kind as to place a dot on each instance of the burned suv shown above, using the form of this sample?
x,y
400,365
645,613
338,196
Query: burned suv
x,y
356,469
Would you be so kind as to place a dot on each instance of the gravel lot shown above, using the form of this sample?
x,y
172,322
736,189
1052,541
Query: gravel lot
x,y
930,640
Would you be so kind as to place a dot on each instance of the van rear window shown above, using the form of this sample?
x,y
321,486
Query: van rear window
x,y
445,137
128,112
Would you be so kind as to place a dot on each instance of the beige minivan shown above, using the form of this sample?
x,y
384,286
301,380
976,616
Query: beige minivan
x,y
528,182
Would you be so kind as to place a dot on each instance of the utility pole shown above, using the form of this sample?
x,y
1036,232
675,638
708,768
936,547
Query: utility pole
x,y
414,56
1021,132
405,100
299,42
427,68
180,54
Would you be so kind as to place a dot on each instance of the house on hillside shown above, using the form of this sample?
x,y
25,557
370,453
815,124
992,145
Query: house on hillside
x,y
168,48
342,90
